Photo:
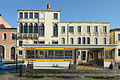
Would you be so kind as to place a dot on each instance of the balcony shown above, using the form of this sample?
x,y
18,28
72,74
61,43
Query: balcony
x,y
27,36
96,34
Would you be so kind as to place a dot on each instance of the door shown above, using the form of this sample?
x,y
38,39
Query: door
x,y
83,56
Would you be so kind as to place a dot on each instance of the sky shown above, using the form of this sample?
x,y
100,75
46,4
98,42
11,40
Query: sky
x,y
71,10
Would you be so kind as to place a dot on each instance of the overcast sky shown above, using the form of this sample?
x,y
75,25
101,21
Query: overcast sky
x,y
71,10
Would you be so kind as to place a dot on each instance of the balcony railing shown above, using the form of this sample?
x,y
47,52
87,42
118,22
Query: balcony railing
x,y
27,36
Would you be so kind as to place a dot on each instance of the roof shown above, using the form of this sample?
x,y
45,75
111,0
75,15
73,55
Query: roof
x,y
115,29
3,22
38,10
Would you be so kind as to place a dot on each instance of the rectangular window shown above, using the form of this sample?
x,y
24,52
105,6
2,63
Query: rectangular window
x,y
41,42
36,15
35,42
4,36
20,52
13,36
79,28
20,43
118,52
95,28
20,15
88,28
104,29
63,29
55,15
71,28
54,42
26,15
31,15
42,15
118,37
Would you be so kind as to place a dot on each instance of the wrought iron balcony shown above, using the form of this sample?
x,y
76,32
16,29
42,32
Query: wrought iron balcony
x,y
27,36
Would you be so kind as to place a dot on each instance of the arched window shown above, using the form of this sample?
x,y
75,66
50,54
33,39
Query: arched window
x,y
104,40
25,28
55,30
42,29
71,41
79,40
21,28
96,41
31,28
63,40
13,53
83,40
88,40
35,28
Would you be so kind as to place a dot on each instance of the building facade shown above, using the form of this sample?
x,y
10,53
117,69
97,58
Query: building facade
x,y
115,39
43,28
7,40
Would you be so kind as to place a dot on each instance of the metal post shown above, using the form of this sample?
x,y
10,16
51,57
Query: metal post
x,y
16,63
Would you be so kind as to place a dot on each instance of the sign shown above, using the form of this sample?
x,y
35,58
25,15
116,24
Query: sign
x,y
54,60
47,48
109,60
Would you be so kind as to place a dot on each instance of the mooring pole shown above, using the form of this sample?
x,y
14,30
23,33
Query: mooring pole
x,y
16,63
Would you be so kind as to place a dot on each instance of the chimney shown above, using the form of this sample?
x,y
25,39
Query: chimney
x,y
48,6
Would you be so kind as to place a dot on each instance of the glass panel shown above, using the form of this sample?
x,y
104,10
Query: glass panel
x,y
13,36
63,40
88,40
108,55
88,28
31,28
36,28
118,52
31,15
68,54
79,40
95,28
54,42
118,36
63,29
36,15
71,29
42,30
42,15
25,28
26,15
55,15
83,40
79,28
104,28
21,15
40,54
50,54
59,55
55,30
30,54
83,55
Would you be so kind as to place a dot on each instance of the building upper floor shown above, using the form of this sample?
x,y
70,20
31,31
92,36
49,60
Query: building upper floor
x,y
115,36
8,35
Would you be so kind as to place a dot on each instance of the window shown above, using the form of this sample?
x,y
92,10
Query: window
x,y
31,28
35,42
95,28
21,27
96,41
20,52
20,15
63,40
71,28
79,28
41,42
88,40
4,36
20,43
79,40
26,15
88,28
42,15
35,28
104,40
42,30
55,30
54,42
63,29
71,41
13,36
26,28
104,29
118,52
83,40
119,37
31,15
55,15
36,15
